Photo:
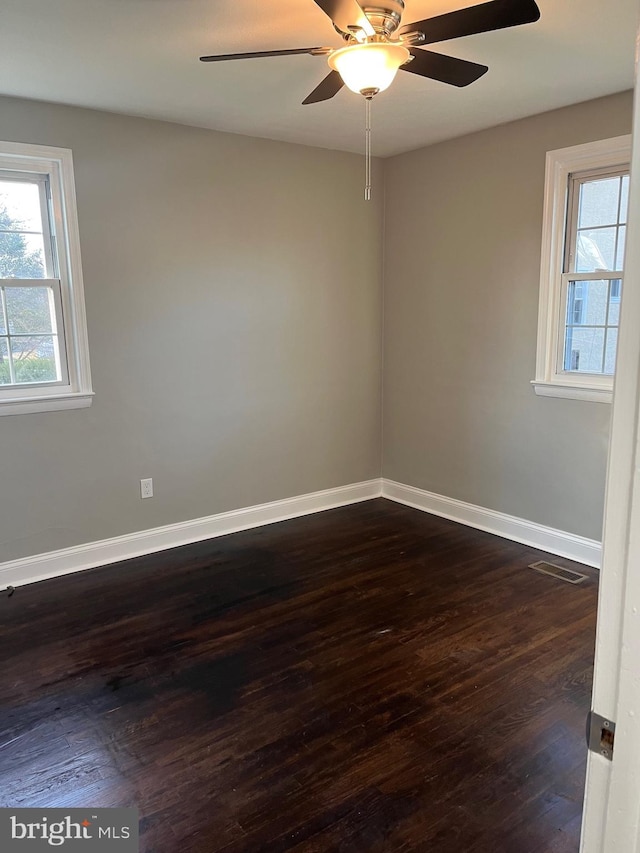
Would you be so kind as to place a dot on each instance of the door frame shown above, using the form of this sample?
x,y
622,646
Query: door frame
x,y
611,817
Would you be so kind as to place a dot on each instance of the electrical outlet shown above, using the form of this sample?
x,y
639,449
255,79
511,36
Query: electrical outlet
x,y
146,488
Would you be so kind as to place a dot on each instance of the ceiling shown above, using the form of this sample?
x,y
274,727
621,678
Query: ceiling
x,y
141,57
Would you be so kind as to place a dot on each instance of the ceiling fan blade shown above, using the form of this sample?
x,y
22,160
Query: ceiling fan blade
x,y
329,87
315,51
346,14
446,69
495,15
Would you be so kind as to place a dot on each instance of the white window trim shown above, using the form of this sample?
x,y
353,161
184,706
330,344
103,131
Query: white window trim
x,y
77,393
560,164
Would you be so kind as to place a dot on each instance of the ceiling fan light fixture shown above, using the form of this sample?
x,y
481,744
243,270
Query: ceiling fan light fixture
x,y
368,68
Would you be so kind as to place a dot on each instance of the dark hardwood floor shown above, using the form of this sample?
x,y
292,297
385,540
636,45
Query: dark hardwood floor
x,y
364,679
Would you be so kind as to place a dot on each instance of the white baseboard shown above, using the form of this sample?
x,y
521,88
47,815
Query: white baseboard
x,y
92,554
587,551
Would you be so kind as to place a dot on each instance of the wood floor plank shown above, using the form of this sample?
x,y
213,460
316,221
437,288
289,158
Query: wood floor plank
x,y
364,679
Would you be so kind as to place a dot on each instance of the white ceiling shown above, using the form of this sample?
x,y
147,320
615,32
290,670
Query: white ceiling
x,y
141,57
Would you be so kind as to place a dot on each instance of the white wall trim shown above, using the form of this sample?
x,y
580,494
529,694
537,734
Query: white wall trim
x,y
92,554
587,551
54,403
572,392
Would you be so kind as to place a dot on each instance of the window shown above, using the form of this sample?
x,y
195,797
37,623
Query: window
x,y
44,363
585,223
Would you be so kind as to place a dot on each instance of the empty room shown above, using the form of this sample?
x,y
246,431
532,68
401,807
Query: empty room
x,y
319,394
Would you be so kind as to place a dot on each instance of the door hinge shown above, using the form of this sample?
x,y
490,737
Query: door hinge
x,y
600,735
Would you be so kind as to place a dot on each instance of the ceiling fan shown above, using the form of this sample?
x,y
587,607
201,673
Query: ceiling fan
x,y
377,44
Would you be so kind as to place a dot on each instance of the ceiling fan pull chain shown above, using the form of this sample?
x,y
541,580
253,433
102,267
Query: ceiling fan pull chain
x,y
367,149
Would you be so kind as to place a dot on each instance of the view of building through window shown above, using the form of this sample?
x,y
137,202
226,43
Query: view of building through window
x,y
593,271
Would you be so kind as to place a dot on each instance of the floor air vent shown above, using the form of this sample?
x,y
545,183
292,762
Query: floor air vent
x,y
559,572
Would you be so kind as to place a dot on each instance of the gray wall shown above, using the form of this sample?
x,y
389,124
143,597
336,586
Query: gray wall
x,y
462,266
233,291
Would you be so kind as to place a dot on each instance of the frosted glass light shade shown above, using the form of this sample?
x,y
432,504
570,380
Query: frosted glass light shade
x,y
368,67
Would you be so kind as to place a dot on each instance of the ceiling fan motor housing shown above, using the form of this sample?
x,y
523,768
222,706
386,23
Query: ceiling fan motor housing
x,y
384,18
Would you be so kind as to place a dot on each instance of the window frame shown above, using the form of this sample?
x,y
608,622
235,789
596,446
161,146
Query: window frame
x,y
54,167
561,164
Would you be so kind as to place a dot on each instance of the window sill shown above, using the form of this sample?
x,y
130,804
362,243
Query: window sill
x,y
53,403
591,393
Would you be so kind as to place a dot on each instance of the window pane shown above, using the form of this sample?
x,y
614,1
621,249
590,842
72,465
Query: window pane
x,y
599,203
584,350
622,236
29,309
20,206
595,250
21,255
587,303
34,358
3,325
5,374
624,201
610,352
